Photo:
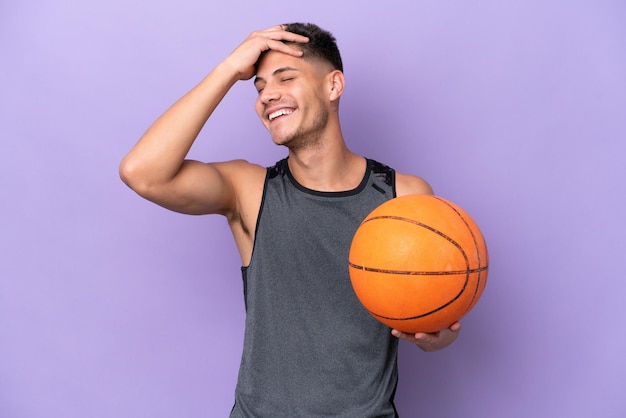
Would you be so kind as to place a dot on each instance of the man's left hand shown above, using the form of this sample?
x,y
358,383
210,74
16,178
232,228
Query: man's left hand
x,y
431,341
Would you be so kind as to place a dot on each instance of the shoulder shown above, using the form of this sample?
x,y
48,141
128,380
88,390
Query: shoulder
x,y
239,168
240,174
409,184
246,182
243,177
243,182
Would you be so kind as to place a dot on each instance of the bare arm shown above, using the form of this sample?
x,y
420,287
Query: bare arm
x,y
156,167
406,185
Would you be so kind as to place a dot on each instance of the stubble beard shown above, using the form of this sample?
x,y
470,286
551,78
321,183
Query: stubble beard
x,y
306,136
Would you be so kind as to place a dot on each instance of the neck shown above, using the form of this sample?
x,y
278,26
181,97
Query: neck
x,y
328,167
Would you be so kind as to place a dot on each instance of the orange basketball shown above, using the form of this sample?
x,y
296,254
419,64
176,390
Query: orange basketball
x,y
418,263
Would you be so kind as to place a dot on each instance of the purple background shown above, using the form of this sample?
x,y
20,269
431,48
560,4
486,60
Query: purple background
x,y
113,307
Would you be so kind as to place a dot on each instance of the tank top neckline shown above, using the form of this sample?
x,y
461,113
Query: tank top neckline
x,y
359,188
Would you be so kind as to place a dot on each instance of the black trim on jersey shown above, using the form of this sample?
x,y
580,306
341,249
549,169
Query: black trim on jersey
x,y
382,172
270,173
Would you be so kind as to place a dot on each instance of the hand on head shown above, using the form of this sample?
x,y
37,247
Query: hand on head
x,y
245,56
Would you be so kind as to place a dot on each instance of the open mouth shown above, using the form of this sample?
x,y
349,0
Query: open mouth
x,y
279,113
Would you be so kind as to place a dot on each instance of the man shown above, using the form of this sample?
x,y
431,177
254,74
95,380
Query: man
x,y
310,349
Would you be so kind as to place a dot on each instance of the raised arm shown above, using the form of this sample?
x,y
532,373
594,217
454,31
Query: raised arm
x,y
156,167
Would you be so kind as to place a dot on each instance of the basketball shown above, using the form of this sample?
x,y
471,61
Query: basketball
x,y
418,263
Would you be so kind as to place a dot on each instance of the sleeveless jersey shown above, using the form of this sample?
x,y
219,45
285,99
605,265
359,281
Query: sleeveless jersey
x,y
310,348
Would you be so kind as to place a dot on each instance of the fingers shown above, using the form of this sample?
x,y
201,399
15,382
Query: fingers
x,y
244,58
281,30
456,327
413,338
431,341
275,38
279,33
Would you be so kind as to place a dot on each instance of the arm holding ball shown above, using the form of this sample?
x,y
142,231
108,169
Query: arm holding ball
x,y
407,185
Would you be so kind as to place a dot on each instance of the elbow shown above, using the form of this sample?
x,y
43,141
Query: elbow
x,y
142,180
130,174
125,171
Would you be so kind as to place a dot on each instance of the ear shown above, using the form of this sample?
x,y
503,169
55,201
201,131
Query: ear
x,y
336,84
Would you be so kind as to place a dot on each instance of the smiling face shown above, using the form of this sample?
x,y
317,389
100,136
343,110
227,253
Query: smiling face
x,y
293,101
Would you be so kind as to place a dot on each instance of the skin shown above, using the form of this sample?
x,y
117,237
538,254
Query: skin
x,y
306,93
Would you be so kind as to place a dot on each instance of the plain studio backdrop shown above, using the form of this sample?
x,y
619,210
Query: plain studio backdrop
x,y
113,307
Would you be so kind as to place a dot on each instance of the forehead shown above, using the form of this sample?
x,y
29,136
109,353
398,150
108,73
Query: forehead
x,y
271,61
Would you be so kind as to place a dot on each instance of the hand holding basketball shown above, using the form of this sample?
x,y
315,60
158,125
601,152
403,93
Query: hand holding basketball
x,y
418,263
431,341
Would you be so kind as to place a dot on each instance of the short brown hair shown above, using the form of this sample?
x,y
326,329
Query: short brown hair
x,y
322,44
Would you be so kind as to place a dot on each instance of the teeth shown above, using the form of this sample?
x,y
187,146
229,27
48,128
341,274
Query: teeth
x,y
280,112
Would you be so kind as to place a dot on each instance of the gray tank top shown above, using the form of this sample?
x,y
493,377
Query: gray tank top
x,y
310,348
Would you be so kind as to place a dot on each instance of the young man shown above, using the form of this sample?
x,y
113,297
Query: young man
x,y
310,348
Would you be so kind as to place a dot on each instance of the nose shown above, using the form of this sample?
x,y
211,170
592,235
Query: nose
x,y
269,94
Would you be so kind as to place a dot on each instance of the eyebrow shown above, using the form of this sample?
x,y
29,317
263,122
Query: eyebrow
x,y
276,72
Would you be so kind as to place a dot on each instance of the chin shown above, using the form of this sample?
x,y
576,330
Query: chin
x,y
281,139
